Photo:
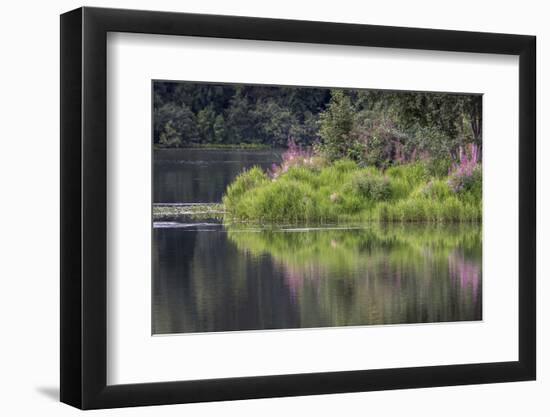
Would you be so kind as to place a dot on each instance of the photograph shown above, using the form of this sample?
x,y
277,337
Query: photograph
x,y
329,203
292,207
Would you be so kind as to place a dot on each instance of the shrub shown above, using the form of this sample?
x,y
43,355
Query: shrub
x,y
345,165
438,167
462,181
436,189
370,186
466,175
382,143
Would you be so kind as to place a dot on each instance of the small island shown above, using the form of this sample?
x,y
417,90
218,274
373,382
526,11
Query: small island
x,y
359,162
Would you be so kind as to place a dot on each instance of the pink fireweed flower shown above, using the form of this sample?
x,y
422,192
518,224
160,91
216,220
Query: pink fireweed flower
x,y
462,171
293,156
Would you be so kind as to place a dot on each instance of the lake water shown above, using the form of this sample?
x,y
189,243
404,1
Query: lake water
x,y
201,175
210,277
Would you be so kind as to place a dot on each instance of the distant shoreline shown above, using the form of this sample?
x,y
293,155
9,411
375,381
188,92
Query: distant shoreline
x,y
220,146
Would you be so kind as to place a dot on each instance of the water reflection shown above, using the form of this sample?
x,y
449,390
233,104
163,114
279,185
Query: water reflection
x,y
223,278
201,175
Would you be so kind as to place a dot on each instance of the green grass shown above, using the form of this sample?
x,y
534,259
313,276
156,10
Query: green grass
x,y
344,192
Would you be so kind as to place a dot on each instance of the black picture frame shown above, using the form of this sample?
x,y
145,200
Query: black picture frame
x,y
84,207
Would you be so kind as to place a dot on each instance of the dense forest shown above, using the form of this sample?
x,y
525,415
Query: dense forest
x,y
374,125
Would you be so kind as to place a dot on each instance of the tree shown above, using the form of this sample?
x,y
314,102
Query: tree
x,y
239,121
359,124
336,125
219,129
472,106
177,122
205,124
169,136
273,123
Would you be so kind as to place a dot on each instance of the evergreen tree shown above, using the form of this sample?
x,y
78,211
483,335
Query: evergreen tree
x,y
336,125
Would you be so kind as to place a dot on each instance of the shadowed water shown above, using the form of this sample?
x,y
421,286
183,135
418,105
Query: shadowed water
x,y
210,277
201,175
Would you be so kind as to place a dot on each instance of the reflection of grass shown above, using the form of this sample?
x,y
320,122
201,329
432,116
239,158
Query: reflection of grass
x,y
345,192
384,273
340,249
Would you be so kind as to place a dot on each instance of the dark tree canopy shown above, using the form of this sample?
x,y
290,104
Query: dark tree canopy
x,y
358,124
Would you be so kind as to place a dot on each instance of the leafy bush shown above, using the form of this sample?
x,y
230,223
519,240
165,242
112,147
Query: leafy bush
x,y
372,187
438,167
383,144
466,176
345,165
462,182
436,190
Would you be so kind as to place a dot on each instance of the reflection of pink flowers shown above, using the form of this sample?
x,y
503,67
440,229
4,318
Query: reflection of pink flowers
x,y
295,278
466,273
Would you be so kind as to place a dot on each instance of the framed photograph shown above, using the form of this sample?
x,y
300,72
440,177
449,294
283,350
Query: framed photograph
x,y
257,208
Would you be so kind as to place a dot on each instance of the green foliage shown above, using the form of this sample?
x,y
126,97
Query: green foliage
x,y
436,190
374,128
369,186
336,125
234,114
468,184
206,119
437,114
381,142
245,182
169,136
419,209
177,125
343,192
344,165
411,174
439,167
219,129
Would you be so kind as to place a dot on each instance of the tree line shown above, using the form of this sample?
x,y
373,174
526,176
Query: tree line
x,y
358,124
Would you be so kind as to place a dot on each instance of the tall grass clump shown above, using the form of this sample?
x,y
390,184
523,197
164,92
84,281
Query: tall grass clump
x,y
246,181
371,187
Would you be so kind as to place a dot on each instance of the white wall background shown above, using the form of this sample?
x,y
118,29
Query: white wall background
x,y
29,213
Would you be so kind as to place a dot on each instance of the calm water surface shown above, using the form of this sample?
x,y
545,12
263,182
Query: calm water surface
x,y
201,175
211,277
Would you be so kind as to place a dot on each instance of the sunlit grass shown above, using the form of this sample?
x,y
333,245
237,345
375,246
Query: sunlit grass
x,y
344,192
